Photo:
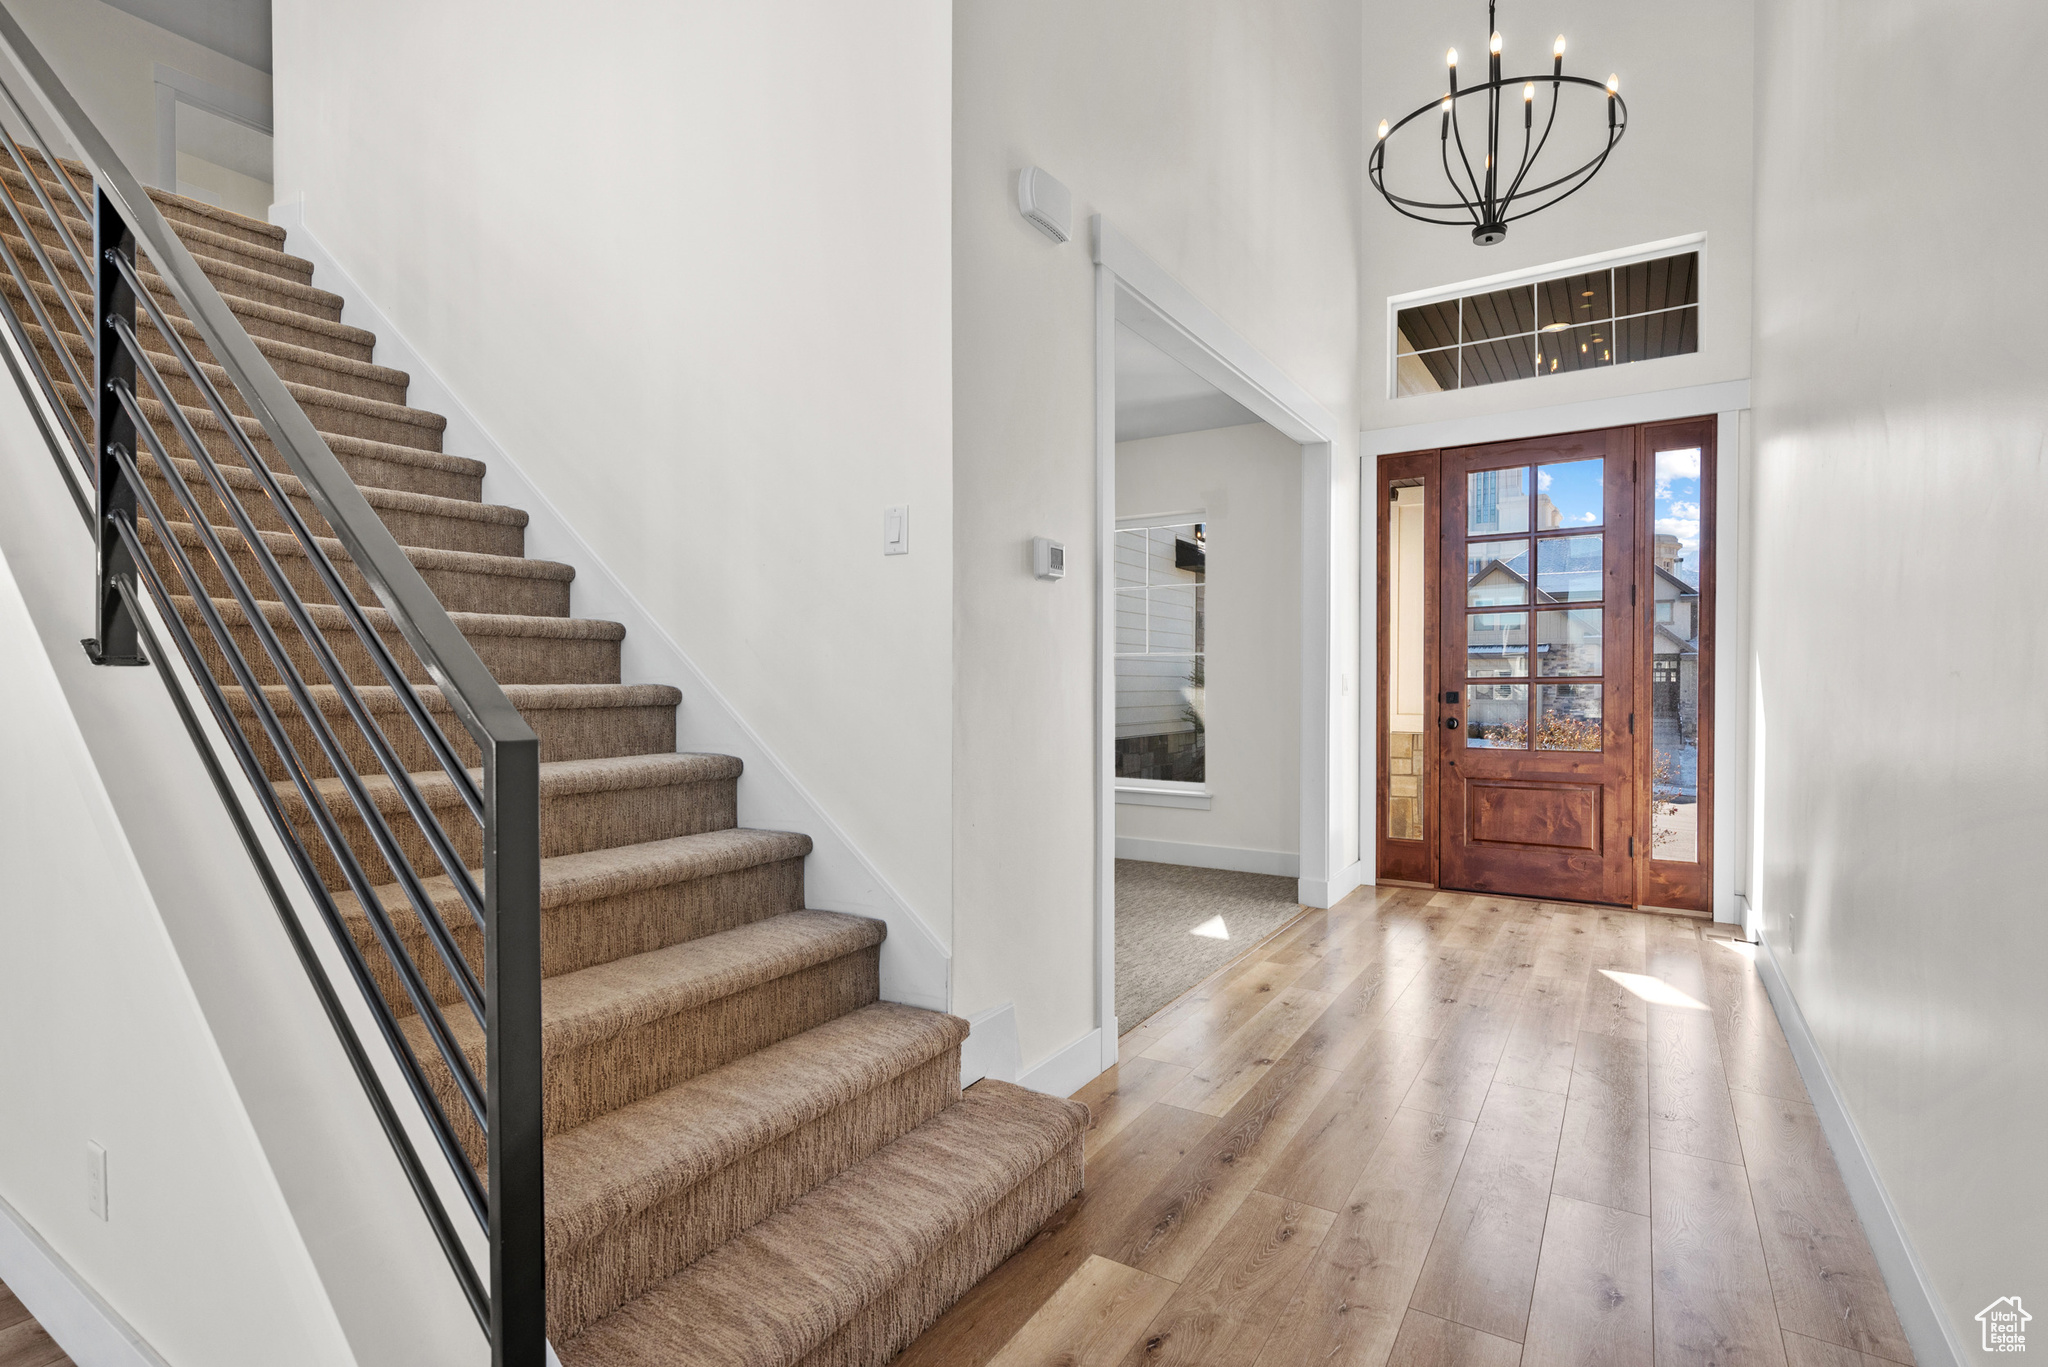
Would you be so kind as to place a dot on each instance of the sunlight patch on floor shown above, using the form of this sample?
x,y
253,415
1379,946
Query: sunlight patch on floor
x,y
1655,991
1213,928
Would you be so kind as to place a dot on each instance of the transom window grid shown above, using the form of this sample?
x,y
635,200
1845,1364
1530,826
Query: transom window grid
x,y
1161,647
1543,687
1591,320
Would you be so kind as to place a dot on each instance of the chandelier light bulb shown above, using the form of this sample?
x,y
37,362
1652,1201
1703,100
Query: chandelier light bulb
x,y
1495,48
1383,128
1447,104
1557,49
1613,84
1529,92
1451,59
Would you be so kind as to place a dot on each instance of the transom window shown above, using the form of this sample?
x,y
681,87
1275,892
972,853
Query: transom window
x,y
1588,321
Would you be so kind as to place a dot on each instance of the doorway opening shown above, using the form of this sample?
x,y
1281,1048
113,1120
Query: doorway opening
x,y
1546,667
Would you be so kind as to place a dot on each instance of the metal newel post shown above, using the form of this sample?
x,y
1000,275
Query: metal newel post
x,y
115,638
512,1078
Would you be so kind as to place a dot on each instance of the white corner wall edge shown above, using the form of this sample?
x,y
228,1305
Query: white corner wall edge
x,y
1317,892
991,1048
1074,1067
1912,1291
89,1330
1276,862
916,965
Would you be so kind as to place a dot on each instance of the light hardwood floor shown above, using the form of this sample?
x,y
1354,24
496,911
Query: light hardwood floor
x,y
1423,1129
22,1341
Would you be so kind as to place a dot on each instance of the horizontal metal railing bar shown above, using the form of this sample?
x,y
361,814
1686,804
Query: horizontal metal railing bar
x,y
56,220
56,168
330,747
380,654
414,706
79,447
452,1247
78,381
472,692
273,730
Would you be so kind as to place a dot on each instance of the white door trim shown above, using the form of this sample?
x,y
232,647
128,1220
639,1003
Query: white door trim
x,y
1132,288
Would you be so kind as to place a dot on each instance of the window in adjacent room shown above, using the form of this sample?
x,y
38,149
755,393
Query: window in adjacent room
x,y
1161,567
1590,320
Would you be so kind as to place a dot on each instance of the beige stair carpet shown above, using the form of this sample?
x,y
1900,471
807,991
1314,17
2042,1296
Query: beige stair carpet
x,y
751,1158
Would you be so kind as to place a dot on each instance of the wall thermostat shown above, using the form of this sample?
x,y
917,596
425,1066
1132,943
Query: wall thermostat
x,y
1045,202
1048,558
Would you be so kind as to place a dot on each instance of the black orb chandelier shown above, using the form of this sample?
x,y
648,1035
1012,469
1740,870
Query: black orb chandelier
x,y
1486,198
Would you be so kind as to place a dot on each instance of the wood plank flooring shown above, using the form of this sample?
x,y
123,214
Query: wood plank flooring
x,y
22,1341
1426,1129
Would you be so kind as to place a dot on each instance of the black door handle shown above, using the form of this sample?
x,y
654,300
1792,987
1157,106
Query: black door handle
x,y
1451,723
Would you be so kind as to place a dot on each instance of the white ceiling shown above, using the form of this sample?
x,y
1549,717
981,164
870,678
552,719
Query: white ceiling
x,y
234,28
1157,396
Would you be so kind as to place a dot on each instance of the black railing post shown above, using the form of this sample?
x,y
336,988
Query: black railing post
x,y
512,1081
115,640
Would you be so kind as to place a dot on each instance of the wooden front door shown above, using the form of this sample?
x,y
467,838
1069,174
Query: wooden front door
x,y
1536,668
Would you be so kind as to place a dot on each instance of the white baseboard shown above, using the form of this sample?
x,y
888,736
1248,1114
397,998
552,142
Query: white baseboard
x,y
1071,1069
84,1326
1328,892
916,966
1276,862
991,1047
1912,1291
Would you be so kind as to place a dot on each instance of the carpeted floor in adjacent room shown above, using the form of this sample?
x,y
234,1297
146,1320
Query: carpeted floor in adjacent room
x,y
1176,925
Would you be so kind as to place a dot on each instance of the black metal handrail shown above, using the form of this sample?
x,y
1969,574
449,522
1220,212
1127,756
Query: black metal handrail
x,y
322,799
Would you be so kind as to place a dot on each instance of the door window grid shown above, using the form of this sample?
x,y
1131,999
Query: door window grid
x,y
1567,503
1161,649
1614,316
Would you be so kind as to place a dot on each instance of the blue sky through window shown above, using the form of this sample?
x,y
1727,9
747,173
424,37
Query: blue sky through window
x,y
1677,508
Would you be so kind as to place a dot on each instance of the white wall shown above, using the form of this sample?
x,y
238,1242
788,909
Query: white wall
x,y
1223,140
1684,167
150,1003
107,58
1247,482
1900,418
691,270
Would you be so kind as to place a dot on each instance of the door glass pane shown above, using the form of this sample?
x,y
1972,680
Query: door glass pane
x,y
1569,494
1410,542
1674,658
1568,716
1497,645
1496,573
1404,785
1568,568
1497,502
1497,716
1568,643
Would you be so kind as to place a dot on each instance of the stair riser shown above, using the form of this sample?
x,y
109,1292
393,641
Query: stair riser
x,y
323,371
328,418
408,527
237,282
511,659
590,1281
458,590
205,244
583,934
888,1324
171,209
569,824
565,733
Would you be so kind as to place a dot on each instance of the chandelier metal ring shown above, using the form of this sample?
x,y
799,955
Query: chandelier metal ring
x,y
1489,208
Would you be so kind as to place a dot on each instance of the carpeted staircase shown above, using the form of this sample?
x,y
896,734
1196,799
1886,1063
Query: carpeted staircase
x,y
752,1159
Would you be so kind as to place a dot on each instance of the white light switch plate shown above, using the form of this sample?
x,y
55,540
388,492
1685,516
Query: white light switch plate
x,y
896,531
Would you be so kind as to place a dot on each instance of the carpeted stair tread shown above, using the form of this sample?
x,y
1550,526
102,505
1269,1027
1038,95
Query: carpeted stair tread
x,y
299,365
596,1003
251,488
215,217
230,278
621,1164
340,443
264,322
204,243
784,1287
567,879
559,779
